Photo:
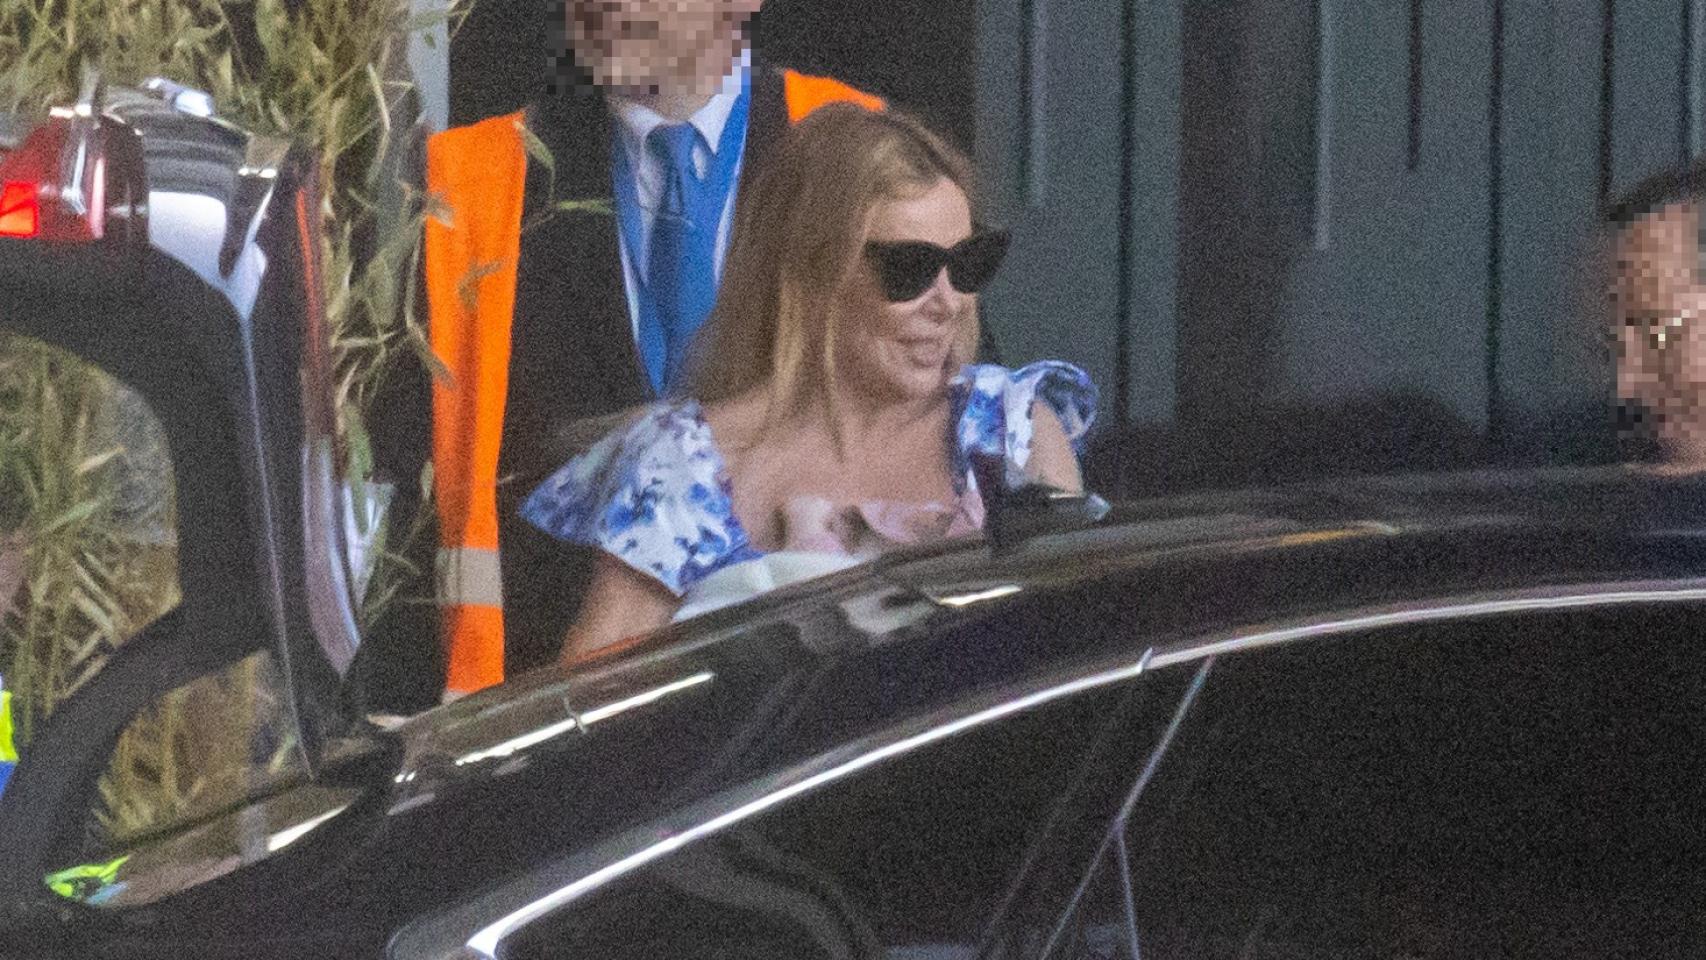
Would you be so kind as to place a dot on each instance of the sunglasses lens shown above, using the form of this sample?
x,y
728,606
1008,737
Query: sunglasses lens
x,y
905,270
976,261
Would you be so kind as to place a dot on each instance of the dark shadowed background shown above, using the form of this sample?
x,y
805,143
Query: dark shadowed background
x,y
1286,237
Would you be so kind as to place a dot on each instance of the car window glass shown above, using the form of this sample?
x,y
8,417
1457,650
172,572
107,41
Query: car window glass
x,y
88,528
905,859
169,808
1517,788
198,749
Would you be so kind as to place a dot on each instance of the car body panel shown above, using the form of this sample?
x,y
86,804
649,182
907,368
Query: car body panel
x,y
571,778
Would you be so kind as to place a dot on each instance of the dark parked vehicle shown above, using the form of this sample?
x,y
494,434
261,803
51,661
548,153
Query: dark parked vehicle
x,y
1413,717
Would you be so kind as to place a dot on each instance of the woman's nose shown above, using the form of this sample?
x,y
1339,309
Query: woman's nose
x,y
942,298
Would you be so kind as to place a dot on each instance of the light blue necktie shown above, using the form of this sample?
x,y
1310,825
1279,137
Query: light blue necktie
x,y
681,265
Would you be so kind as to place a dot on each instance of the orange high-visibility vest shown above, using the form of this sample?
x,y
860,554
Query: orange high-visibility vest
x,y
478,173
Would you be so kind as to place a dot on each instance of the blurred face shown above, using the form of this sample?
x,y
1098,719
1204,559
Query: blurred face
x,y
1658,349
901,350
642,46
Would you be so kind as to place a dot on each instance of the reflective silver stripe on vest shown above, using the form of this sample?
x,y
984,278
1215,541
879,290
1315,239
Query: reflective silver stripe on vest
x,y
469,576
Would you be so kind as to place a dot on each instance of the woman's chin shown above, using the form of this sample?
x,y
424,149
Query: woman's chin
x,y
916,382
899,379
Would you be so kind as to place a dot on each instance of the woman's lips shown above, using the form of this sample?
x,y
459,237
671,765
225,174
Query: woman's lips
x,y
925,352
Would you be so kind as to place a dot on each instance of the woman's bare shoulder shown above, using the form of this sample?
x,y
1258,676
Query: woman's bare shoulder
x,y
736,421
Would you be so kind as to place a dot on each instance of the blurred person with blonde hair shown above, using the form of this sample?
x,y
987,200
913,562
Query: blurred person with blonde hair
x,y
832,407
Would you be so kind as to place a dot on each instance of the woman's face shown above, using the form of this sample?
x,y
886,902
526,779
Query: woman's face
x,y
901,350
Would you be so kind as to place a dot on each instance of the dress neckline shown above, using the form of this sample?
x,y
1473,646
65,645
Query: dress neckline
x,y
965,483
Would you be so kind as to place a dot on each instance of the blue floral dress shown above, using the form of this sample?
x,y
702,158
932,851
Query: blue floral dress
x,y
656,494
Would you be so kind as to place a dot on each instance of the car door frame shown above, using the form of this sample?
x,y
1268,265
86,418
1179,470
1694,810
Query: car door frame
x,y
210,323
481,924
1344,624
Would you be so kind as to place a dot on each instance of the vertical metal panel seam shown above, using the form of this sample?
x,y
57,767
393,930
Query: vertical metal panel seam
x,y
1607,65
1495,223
1323,123
1033,100
1027,70
1039,101
1684,74
1413,158
1126,283
1690,93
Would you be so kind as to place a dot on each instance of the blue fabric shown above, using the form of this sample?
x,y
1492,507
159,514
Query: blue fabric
x,y
678,285
996,417
656,493
680,272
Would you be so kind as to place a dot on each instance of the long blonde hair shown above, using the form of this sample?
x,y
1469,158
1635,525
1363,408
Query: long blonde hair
x,y
799,237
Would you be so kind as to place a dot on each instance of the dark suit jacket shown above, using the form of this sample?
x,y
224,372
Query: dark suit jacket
x,y
574,351
573,357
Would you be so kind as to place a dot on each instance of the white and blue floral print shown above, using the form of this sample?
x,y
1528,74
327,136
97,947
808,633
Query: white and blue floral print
x,y
656,494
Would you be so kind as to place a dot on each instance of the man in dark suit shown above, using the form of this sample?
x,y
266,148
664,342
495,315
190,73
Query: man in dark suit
x,y
1656,283
547,316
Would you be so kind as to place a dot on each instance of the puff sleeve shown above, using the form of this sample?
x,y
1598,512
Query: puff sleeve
x,y
654,495
996,418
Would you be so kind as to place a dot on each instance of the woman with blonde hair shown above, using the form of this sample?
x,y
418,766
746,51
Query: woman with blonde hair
x,y
833,407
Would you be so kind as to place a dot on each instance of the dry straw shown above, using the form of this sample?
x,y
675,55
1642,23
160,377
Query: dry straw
x,y
95,552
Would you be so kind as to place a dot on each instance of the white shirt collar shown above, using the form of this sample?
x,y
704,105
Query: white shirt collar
x,y
638,121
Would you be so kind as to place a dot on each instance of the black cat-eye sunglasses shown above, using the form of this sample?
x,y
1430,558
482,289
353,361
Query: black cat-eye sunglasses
x,y
906,269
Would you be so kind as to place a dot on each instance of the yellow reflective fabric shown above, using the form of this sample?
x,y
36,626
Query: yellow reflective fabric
x,y
8,747
82,882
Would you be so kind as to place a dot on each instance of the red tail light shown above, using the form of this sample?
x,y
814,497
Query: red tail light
x,y
54,159
20,209
54,187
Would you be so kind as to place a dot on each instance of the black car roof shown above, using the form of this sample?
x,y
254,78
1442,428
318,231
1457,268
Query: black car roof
x,y
885,658
1164,571
1623,500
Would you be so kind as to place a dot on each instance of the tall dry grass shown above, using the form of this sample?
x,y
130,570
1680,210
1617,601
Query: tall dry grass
x,y
85,501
